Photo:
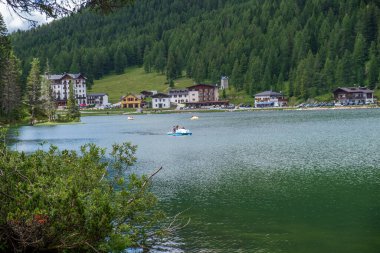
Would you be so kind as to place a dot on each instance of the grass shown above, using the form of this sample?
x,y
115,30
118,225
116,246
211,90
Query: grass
x,y
237,97
134,80
377,93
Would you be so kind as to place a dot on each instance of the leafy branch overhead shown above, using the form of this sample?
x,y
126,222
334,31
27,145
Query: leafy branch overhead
x,y
59,8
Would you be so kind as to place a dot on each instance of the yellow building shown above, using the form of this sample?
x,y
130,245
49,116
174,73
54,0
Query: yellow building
x,y
131,101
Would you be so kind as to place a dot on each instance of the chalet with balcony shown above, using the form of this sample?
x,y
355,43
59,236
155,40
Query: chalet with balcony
x,y
132,101
355,95
270,99
204,95
61,87
160,101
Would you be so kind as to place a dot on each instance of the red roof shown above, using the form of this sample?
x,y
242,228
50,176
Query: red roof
x,y
202,86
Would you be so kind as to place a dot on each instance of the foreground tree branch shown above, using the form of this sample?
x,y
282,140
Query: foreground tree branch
x,y
60,8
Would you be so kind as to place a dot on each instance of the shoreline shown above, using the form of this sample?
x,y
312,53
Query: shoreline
x,y
110,112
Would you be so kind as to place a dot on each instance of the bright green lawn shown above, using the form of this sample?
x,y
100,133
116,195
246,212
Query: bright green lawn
x,y
377,93
134,80
237,97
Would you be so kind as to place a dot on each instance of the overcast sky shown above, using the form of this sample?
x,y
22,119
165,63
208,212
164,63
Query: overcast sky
x,y
14,22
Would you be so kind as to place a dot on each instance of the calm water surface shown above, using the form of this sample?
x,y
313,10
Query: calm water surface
x,y
252,182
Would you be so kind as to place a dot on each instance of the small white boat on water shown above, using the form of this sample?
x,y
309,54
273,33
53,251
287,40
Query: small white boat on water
x,y
194,117
180,132
130,118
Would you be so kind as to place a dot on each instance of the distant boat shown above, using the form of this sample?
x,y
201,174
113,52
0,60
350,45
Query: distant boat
x,y
130,118
180,132
194,117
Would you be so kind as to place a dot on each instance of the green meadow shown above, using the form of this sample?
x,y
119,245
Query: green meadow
x,y
134,80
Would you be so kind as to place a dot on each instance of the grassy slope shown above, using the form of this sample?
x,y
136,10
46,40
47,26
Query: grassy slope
x,y
377,94
237,97
134,80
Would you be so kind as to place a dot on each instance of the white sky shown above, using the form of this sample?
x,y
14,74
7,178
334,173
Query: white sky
x,y
14,22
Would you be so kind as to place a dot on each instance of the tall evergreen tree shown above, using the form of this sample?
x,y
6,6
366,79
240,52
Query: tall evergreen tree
x,y
73,113
120,61
4,53
11,93
34,90
171,67
359,57
47,97
372,67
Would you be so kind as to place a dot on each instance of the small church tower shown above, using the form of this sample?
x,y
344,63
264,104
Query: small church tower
x,y
224,83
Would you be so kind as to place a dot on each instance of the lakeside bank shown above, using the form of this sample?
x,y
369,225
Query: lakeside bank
x,y
106,112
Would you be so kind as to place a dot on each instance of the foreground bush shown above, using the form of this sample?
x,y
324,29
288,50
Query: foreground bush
x,y
67,201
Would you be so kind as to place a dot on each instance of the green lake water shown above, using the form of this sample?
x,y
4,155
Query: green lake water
x,y
285,181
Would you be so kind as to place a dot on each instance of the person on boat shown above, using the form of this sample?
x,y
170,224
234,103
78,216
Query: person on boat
x,y
174,129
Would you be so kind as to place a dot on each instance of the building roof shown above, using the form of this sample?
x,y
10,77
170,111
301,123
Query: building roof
x,y
354,89
178,91
160,95
60,76
97,94
201,84
132,95
269,93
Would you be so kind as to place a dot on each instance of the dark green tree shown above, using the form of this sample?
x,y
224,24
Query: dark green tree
x,y
372,67
11,88
48,102
34,90
73,113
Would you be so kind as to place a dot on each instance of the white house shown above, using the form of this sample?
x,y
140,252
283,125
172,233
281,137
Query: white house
x,y
270,99
61,89
178,96
160,101
97,99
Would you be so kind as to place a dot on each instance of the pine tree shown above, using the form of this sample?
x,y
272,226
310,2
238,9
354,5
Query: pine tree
x,y
73,113
34,90
171,71
120,61
372,67
236,76
4,53
359,59
11,94
47,96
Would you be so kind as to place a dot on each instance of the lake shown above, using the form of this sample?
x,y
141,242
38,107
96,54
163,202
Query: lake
x,y
266,181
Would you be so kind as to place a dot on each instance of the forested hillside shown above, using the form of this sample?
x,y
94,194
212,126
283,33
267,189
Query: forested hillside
x,y
303,48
